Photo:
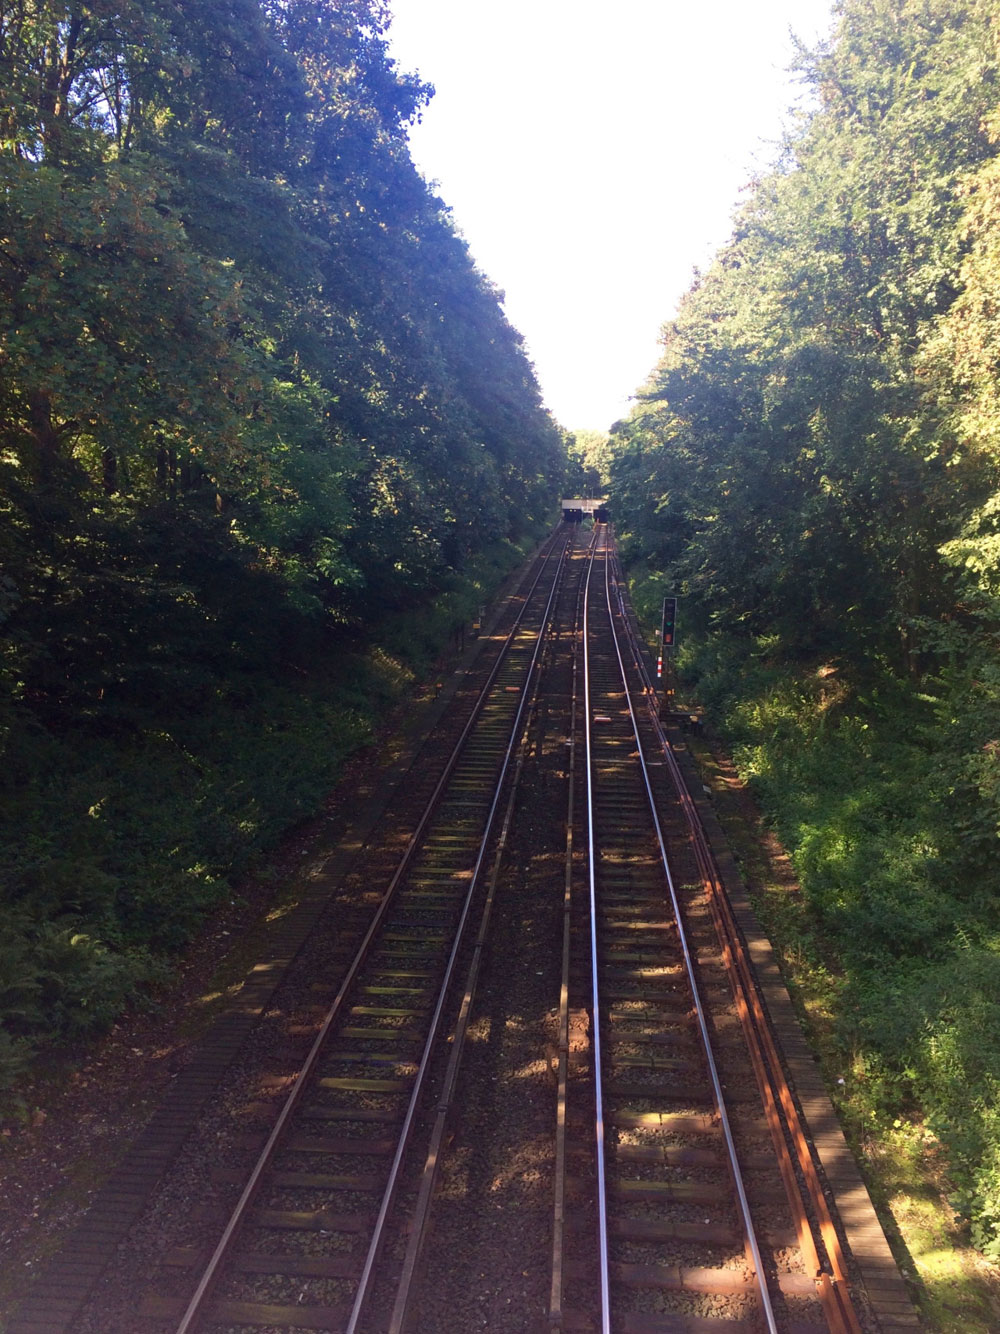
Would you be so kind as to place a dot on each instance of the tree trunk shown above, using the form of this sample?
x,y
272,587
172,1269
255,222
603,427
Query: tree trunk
x,y
43,433
110,472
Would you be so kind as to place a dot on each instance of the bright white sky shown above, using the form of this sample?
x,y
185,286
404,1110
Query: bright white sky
x,y
593,156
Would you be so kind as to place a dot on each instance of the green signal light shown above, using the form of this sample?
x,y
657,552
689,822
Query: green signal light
x,y
668,623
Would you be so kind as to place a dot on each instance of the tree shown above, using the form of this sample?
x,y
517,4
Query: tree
x,y
820,490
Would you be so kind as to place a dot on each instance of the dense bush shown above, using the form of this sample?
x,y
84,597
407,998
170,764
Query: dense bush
x,y
873,788
129,817
265,436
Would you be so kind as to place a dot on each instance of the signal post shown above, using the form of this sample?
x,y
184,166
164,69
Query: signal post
x,y
665,655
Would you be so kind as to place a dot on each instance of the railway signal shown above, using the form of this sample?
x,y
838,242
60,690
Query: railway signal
x,y
668,623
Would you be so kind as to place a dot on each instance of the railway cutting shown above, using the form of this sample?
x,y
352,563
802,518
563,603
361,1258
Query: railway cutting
x,y
520,1059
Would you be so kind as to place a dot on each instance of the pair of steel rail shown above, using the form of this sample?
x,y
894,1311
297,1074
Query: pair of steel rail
x,y
477,801
804,1192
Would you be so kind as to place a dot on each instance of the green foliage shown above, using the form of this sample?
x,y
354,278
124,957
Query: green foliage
x,y
887,802
256,405
813,468
414,635
789,461
589,461
936,1042
136,794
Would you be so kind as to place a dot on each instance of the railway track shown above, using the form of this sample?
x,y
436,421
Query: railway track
x,y
334,1159
699,1221
546,839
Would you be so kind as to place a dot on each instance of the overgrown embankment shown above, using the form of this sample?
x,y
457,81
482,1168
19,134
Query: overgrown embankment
x,y
177,733
881,792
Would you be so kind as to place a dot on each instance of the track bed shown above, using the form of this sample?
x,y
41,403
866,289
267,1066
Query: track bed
x,y
506,1067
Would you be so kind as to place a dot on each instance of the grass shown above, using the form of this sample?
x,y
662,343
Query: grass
x,y
956,1290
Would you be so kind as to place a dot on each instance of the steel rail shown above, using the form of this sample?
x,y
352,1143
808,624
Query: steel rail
x,y
420,1215
735,1170
375,1245
833,1288
602,1198
562,1076
212,1271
